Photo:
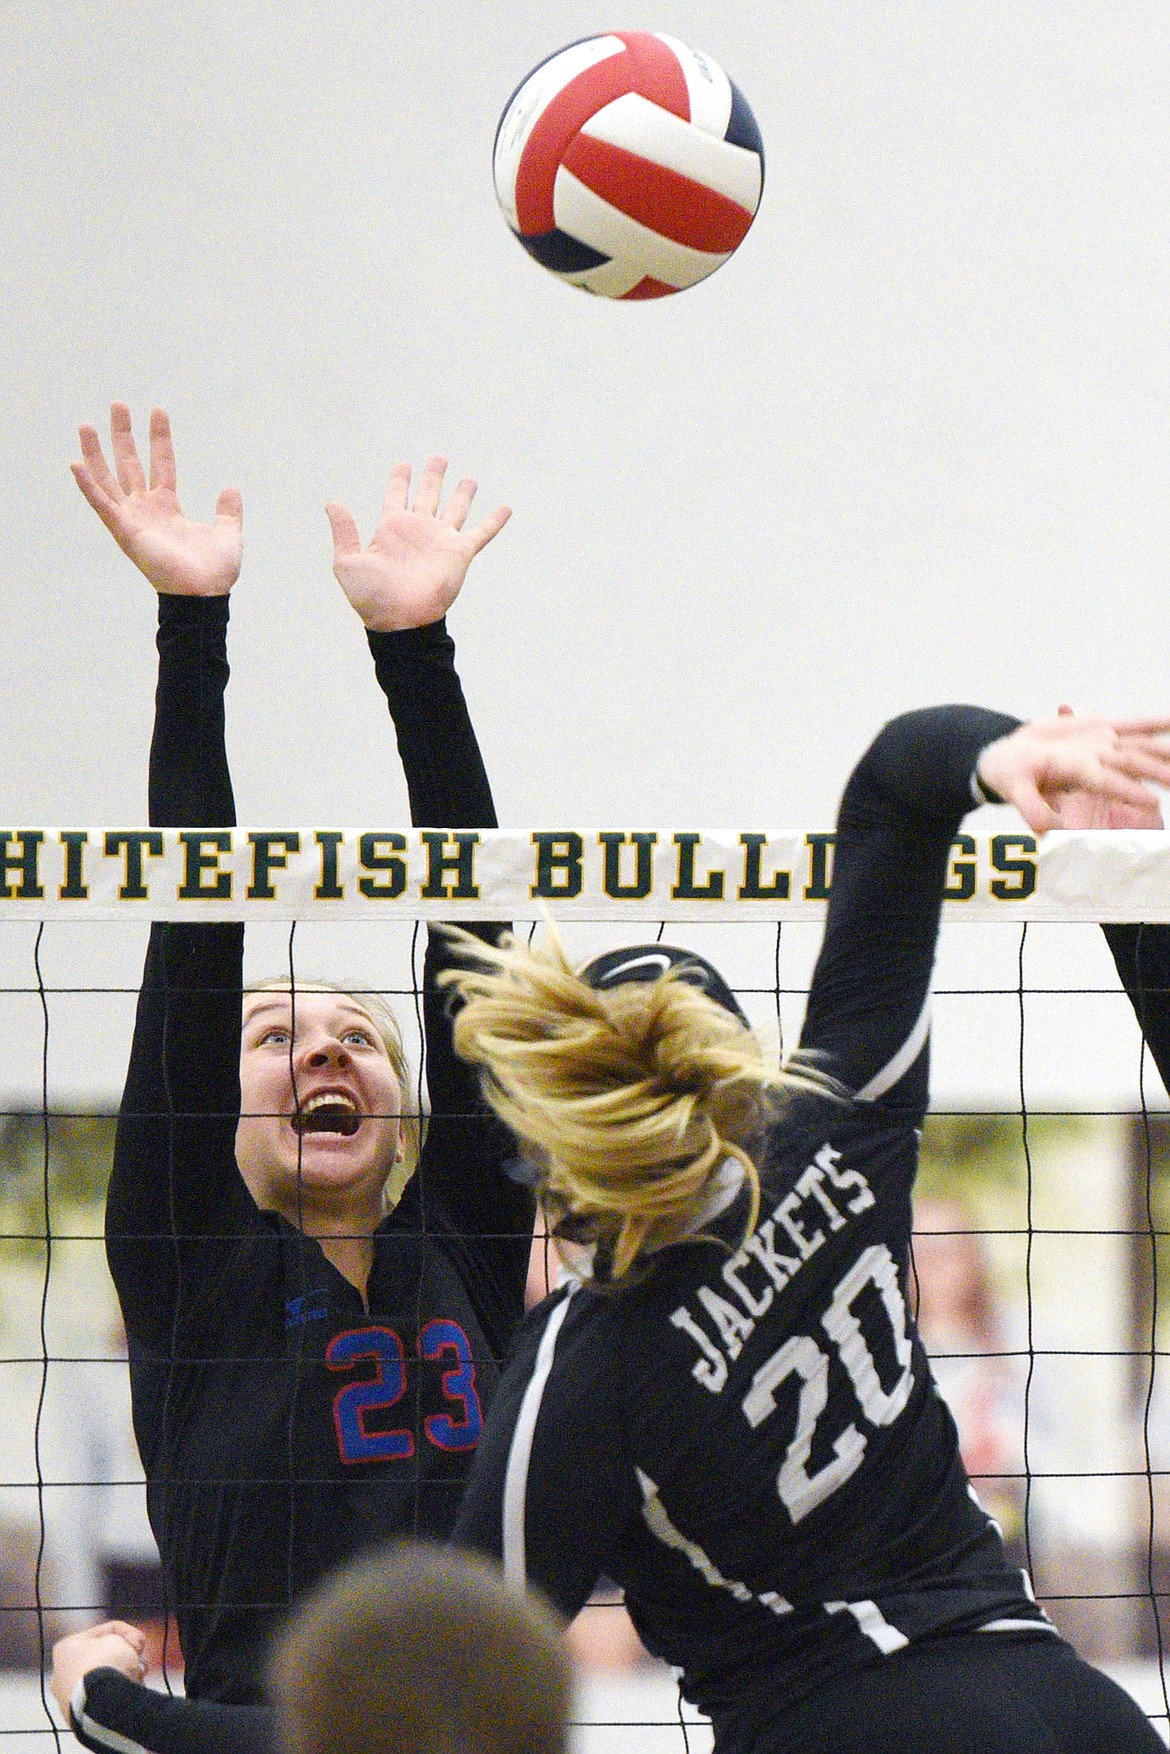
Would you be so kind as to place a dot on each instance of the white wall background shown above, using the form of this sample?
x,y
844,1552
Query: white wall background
x,y
911,444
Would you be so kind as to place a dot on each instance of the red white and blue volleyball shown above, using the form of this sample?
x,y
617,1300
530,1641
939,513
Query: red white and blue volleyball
x,y
629,165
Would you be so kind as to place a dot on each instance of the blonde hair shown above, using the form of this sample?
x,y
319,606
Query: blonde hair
x,y
390,1034
631,1098
420,1650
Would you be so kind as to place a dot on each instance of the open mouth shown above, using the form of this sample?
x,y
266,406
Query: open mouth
x,y
328,1113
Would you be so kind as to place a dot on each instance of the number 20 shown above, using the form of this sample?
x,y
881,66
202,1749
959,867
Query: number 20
x,y
801,1491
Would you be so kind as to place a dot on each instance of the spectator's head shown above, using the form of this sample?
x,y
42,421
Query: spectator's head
x,y
421,1650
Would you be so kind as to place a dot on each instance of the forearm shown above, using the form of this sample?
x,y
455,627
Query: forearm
x,y
174,1160
190,785
902,806
445,775
922,762
448,786
111,1713
186,1039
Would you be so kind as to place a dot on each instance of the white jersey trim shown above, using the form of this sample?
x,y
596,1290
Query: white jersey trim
x,y
1008,1625
902,1061
658,1521
873,1623
520,1453
105,1738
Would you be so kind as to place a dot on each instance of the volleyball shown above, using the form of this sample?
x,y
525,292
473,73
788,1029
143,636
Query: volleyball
x,y
629,165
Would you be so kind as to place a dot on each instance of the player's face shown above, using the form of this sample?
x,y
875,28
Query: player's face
x,y
320,1109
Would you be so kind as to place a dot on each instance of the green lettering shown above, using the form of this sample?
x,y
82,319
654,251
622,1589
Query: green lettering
x,y
133,842
26,861
686,889
961,886
643,845
820,866
372,858
329,889
441,859
1022,869
202,847
752,887
558,866
73,888
270,850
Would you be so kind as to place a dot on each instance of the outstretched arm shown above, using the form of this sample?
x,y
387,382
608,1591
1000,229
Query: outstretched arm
x,y
174,1165
401,587
901,809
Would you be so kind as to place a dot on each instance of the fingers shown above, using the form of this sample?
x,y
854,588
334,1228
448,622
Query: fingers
x,y
1116,782
1140,727
426,500
97,495
95,463
346,540
126,462
162,450
459,503
491,526
1139,763
229,507
1032,805
397,494
133,1635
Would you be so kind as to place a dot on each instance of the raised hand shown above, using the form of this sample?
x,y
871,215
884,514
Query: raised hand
x,y
113,1645
179,557
1082,809
1070,772
414,568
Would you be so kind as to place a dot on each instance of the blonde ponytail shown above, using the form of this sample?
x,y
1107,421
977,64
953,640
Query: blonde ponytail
x,y
631,1098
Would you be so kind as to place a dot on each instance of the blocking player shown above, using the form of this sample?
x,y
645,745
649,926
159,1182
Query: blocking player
x,y
727,1409
310,1362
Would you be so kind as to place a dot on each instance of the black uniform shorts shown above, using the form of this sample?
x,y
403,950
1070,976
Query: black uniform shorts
x,y
979,1693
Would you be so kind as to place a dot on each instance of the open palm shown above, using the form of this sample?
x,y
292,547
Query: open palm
x,y
415,566
1085,809
1073,772
180,557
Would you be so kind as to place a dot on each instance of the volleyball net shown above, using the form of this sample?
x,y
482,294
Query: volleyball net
x,y
1044,1195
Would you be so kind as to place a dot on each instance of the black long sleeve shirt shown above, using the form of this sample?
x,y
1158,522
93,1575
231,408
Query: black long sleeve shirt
x,y
748,1439
283,1426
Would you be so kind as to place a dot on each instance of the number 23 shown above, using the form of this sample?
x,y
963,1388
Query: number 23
x,y
457,1430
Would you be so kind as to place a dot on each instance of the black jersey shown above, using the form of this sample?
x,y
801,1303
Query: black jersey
x,y
282,1425
748,1438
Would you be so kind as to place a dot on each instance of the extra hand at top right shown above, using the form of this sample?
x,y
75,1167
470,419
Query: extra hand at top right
x,y
1071,772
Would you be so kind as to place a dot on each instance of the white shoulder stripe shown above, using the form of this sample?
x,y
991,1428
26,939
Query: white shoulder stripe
x,y
901,1061
520,1453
